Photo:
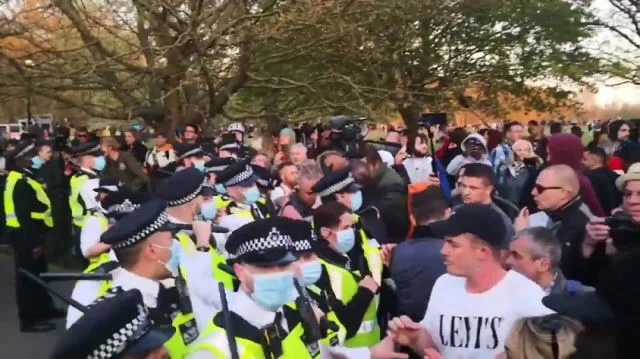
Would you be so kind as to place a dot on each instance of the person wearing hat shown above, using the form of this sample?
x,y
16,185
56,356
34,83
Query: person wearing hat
x,y
149,257
159,157
214,166
266,183
340,186
312,275
264,264
238,131
190,155
477,300
350,278
28,219
229,147
116,327
242,202
188,196
113,206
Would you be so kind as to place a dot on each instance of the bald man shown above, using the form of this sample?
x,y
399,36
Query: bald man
x,y
556,193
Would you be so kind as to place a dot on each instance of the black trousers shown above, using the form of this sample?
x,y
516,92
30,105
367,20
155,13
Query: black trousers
x,y
34,302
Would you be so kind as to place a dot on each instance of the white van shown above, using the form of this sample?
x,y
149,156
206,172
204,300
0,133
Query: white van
x,y
11,130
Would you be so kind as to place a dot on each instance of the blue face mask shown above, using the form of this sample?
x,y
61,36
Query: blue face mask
x,y
356,201
220,188
208,210
345,240
173,264
199,165
272,291
36,162
251,195
311,272
99,163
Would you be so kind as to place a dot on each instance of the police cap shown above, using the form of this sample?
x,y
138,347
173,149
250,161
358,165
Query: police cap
x,y
87,149
302,235
183,187
112,328
144,221
184,150
336,182
217,164
263,242
23,148
108,184
237,174
264,179
119,204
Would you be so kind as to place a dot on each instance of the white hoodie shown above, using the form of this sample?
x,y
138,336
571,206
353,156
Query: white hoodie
x,y
460,160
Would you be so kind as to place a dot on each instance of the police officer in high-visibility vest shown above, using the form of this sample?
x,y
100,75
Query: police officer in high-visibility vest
x,y
347,269
214,166
242,203
148,254
264,264
189,197
28,219
311,275
90,162
118,327
266,183
113,206
237,130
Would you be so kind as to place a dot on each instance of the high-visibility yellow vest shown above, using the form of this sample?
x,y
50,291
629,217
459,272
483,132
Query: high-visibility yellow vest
x,y
43,198
333,338
104,223
224,202
217,259
345,286
77,209
9,208
214,340
185,325
9,205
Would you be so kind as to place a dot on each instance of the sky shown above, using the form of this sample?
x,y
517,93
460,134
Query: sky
x,y
619,94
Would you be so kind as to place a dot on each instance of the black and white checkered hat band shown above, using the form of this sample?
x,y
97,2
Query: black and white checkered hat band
x,y
118,341
274,240
192,152
230,146
337,187
162,219
302,246
124,207
240,177
263,182
190,197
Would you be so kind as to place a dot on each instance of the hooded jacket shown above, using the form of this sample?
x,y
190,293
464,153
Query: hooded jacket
x,y
460,160
566,149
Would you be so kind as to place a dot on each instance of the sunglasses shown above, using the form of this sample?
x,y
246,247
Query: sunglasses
x,y
540,188
81,135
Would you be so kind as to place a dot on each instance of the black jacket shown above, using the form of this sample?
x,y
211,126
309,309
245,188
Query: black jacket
x,y
569,225
603,181
25,202
388,194
415,266
139,151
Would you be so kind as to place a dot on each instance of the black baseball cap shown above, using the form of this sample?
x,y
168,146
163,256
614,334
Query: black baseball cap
x,y
481,220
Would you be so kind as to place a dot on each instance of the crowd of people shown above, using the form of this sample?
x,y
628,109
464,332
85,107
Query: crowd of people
x,y
448,243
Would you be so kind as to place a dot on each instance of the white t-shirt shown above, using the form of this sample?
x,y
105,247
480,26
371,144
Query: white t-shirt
x,y
476,325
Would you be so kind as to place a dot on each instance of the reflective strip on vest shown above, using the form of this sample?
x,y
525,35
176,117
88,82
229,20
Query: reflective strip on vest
x,y
9,208
218,345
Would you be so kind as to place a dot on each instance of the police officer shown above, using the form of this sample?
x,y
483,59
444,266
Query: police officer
x,y
311,275
113,206
264,264
148,254
189,196
242,202
190,155
28,219
116,327
216,165
90,162
347,268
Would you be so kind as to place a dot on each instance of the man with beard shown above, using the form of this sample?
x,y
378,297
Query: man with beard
x,y
385,190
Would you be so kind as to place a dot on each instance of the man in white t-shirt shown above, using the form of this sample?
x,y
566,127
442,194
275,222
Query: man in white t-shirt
x,y
473,306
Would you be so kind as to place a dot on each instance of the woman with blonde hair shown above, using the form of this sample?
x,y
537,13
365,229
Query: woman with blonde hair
x,y
522,166
549,337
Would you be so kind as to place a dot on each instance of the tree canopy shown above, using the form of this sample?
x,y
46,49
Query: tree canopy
x,y
257,59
